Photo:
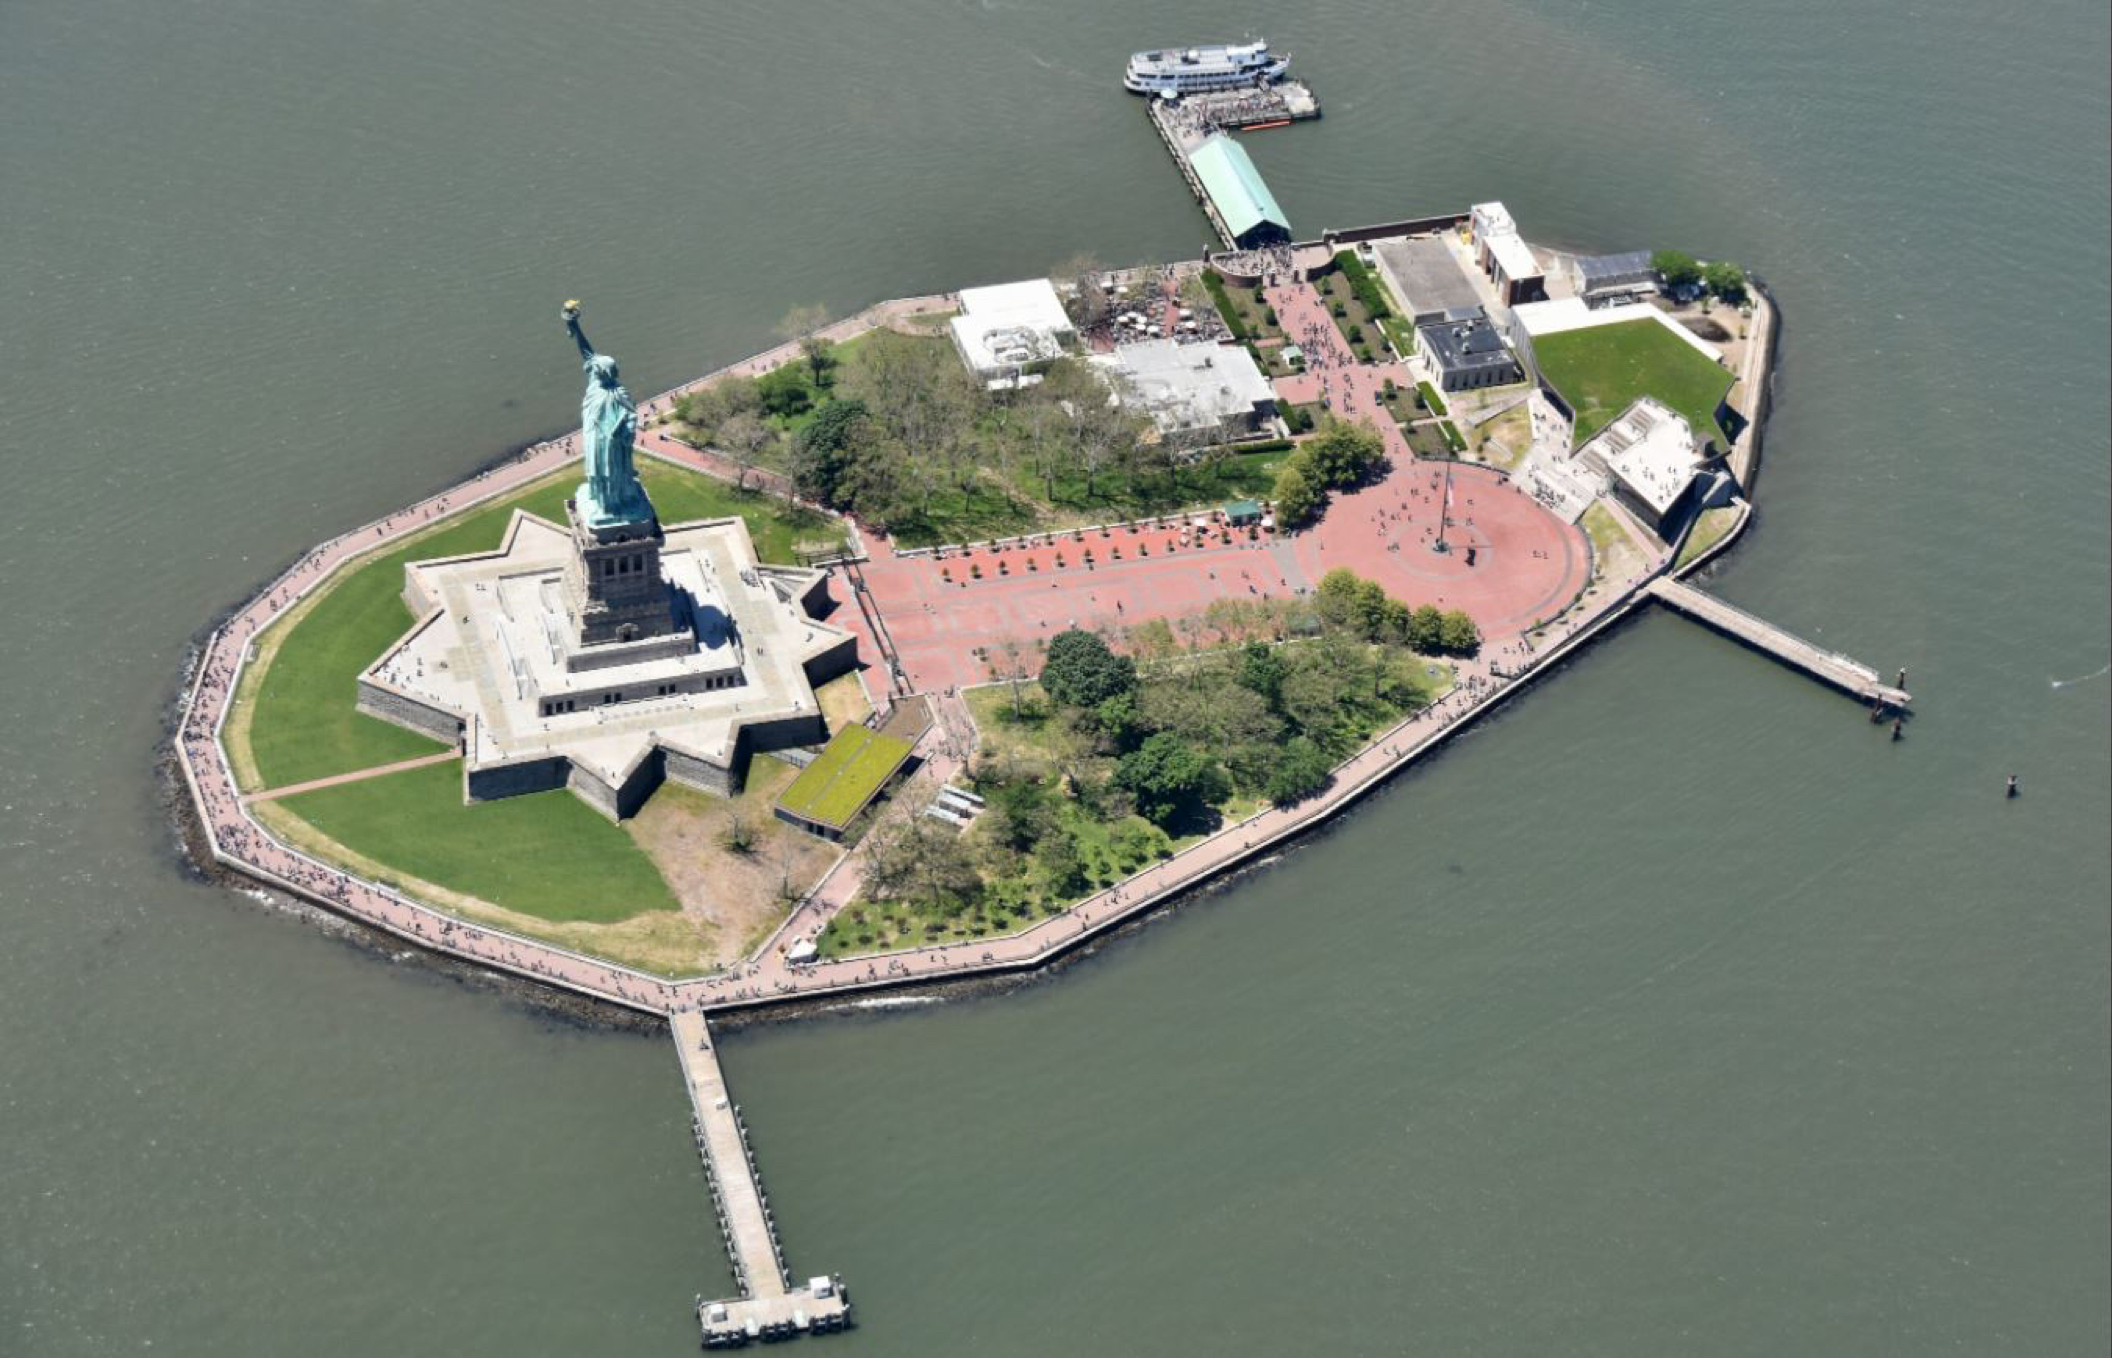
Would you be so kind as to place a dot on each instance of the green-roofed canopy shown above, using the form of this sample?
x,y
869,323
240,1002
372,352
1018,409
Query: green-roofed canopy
x,y
1236,190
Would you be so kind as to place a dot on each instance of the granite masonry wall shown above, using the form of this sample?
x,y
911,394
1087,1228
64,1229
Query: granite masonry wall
x,y
510,780
424,718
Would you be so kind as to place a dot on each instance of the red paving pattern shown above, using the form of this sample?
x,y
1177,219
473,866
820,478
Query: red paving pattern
x,y
1526,563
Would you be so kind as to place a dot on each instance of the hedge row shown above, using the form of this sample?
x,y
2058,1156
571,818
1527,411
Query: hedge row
x,y
1453,440
1215,283
1363,284
1431,400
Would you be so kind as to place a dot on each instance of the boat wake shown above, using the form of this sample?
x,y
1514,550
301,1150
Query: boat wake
x,y
2071,683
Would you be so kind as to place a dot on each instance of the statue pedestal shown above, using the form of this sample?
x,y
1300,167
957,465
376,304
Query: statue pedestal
x,y
619,604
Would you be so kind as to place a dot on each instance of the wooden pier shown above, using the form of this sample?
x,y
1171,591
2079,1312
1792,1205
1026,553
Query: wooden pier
x,y
769,1307
1831,667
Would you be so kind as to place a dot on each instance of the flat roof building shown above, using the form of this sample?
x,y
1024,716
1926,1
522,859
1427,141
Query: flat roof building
x,y
1649,458
1009,331
1466,353
1427,277
1504,256
1600,278
1196,394
1238,194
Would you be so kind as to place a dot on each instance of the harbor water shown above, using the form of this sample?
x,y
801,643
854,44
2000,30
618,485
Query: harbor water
x,y
1676,1011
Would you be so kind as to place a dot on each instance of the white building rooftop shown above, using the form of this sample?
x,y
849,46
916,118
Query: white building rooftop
x,y
1649,450
1513,256
1010,326
1187,387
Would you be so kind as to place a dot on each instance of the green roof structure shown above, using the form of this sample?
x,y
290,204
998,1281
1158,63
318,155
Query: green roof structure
x,y
850,771
1243,511
1243,202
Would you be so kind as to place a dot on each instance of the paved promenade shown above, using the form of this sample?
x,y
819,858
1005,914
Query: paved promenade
x,y
242,843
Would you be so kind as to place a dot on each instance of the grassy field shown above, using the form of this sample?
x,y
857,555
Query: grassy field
x,y
548,854
1708,531
1602,369
297,720
1614,551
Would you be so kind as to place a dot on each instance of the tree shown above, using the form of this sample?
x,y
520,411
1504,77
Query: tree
x,y
1342,454
737,836
827,450
1295,498
1426,629
1170,779
876,483
704,410
1458,633
1024,816
743,437
1301,770
1676,268
1081,671
1061,864
1337,596
921,862
1725,280
803,324
1261,671
1085,300
784,391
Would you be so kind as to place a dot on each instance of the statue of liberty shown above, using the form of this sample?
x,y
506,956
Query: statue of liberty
x,y
608,421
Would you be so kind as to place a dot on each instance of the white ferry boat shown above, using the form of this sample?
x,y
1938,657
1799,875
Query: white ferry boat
x,y
1189,70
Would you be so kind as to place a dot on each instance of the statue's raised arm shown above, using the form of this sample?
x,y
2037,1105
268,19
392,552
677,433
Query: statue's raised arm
x,y
570,312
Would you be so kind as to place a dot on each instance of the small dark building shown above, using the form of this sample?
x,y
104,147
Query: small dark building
x,y
1466,352
1608,278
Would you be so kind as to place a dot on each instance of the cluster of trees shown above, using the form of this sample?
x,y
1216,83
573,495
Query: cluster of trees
x,y
1194,726
744,418
1339,456
1257,698
1348,600
905,421
1720,278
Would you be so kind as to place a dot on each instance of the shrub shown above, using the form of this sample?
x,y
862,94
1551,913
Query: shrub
x,y
1361,283
1214,284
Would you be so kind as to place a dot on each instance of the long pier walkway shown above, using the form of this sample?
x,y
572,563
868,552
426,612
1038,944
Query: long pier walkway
x,y
769,1307
1850,676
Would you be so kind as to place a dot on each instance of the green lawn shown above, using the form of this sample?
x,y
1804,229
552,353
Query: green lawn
x,y
1599,371
547,854
304,724
1708,531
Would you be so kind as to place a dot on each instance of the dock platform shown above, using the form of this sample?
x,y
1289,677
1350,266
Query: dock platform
x,y
1831,667
769,1307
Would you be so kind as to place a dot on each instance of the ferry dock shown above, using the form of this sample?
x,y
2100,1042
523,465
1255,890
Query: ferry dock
x,y
769,1307
1829,667
1189,124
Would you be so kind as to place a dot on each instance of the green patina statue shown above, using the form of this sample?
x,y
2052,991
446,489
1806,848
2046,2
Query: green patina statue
x,y
608,422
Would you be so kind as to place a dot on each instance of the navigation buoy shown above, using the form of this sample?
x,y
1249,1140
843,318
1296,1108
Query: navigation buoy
x,y
2012,785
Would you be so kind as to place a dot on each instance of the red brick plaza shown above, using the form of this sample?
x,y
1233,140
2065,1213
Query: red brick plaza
x,y
1526,563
